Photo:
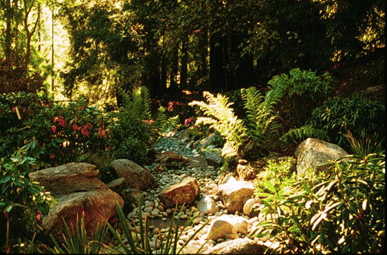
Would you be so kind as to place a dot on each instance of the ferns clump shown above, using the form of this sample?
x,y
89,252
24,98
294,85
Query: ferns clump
x,y
241,135
221,117
261,115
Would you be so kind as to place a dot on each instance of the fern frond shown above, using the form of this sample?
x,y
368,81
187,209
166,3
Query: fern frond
x,y
260,113
142,103
297,134
221,117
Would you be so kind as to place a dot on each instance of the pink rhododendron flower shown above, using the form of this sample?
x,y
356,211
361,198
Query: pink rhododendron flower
x,y
188,121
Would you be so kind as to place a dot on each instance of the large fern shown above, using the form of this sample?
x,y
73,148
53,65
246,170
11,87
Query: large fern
x,y
142,103
261,116
221,117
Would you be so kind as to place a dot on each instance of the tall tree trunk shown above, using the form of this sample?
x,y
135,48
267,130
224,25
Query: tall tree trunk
x,y
217,72
173,87
203,49
39,28
8,35
52,47
29,34
184,63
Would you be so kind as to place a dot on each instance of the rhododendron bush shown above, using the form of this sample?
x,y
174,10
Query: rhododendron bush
x,y
64,132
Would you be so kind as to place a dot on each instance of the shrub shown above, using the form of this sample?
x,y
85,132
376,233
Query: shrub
x,y
301,91
22,202
64,131
340,210
357,114
131,137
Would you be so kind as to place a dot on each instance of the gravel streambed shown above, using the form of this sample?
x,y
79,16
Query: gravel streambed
x,y
159,217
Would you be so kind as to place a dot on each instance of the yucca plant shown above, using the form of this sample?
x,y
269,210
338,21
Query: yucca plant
x,y
140,243
76,241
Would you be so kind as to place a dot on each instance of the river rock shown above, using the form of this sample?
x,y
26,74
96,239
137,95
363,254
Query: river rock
x,y
184,192
171,160
252,207
207,205
78,191
136,177
237,246
240,224
221,228
313,152
234,194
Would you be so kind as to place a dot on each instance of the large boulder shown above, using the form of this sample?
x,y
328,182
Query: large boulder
x,y
313,152
237,246
221,228
78,191
171,159
136,177
234,194
184,192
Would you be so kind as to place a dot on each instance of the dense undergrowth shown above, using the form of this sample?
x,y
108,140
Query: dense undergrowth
x,y
340,210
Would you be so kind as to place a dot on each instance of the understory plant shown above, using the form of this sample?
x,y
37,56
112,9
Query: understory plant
x,y
338,210
302,91
139,243
64,131
241,135
277,116
360,115
22,202
76,241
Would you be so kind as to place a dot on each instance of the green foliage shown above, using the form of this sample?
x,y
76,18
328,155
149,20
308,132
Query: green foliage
x,y
21,201
138,103
365,145
222,118
132,131
140,243
76,241
261,115
355,113
301,92
259,130
339,210
63,131
296,135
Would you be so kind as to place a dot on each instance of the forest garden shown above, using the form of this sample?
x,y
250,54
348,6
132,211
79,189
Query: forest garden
x,y
94,80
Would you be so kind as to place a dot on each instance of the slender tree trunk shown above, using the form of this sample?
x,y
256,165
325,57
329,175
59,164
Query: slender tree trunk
x,y
203,49
39,28
217,72
173,87
29,33
8,35
52,47
184,63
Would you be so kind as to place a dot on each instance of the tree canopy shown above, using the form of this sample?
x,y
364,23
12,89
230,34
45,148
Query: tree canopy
x,y
170,46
